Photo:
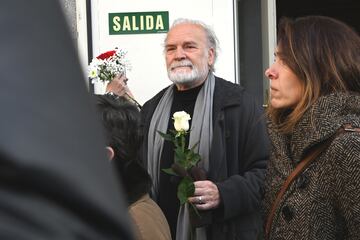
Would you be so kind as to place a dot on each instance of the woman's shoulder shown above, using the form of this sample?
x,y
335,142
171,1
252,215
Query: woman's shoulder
x,y
345,153
148,219
345,149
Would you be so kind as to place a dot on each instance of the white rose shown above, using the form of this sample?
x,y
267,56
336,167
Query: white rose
x,y
181,121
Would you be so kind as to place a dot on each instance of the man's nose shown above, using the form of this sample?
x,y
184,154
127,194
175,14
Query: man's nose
x,y
180,53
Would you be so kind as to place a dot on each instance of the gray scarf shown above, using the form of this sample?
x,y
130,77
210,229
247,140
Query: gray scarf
x,y
201,129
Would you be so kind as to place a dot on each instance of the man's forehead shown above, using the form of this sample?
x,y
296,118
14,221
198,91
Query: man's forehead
x,y
181,41
186,33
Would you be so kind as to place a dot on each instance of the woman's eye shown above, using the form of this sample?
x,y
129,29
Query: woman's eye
x,y
279,60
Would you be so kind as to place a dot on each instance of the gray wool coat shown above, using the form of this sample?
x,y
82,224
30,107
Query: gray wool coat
x,y
324,202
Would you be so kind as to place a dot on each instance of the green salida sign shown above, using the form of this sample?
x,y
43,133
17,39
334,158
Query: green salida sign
x,y
138,22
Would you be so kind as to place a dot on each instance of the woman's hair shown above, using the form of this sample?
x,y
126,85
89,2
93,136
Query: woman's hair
x,y
324,54
121,121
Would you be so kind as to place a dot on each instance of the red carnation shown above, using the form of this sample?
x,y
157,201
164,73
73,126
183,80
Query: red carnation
x,y
106,55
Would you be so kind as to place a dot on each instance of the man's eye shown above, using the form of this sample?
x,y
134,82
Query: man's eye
x,y
170,49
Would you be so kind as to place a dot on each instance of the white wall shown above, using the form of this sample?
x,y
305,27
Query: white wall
x,y
82,40
145,51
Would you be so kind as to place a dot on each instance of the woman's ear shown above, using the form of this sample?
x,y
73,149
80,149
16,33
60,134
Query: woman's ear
x,y
110,153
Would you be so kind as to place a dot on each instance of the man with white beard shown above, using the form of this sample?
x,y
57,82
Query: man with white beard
x,y
229,127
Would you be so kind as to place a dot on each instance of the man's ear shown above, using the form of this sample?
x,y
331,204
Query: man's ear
x,y
110,153
211,56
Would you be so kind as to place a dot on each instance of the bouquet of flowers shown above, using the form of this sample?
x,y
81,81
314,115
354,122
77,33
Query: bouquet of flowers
x,y
186,160
105,67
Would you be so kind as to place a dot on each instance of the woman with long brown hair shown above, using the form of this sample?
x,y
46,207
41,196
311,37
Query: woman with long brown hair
x,y
312,186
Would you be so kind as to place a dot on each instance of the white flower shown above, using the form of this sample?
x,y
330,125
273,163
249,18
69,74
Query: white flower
x,y
108,65
93,73
181,121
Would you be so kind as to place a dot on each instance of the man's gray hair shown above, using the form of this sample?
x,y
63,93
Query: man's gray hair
x,y
212,40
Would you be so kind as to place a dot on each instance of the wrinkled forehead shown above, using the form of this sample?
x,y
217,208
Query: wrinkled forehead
x,y
186,32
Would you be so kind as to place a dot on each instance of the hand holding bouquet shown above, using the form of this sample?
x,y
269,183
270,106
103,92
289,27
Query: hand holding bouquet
x,y
105,67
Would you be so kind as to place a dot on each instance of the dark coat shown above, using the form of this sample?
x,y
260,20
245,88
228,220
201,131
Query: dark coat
x,y
324,202
55,180
238,159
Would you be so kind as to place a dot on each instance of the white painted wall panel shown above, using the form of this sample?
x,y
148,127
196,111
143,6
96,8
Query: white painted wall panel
x,y
145,51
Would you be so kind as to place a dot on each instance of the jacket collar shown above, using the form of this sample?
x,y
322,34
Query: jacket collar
x,y
319,123
226,94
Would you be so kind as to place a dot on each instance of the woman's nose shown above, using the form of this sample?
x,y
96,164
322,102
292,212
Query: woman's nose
x,y
269,73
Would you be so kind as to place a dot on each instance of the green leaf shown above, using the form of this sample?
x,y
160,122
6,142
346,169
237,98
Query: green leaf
x,y
186,189
176,142
193,147
169,171
194,158
167,137
173,132
180,156
182,142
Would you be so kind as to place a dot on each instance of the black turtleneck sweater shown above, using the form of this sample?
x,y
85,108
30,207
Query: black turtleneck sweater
x,y
168,201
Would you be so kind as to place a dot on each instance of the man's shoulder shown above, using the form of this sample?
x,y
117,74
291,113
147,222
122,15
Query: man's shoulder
x,y
155,99
232,90
228,86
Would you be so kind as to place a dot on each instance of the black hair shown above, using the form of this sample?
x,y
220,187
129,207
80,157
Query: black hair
x,y
121,120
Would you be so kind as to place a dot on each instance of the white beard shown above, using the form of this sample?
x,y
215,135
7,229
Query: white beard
x,y
185,77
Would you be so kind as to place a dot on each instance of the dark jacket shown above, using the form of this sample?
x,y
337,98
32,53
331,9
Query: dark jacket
x,y
55,180
324,202
238,159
